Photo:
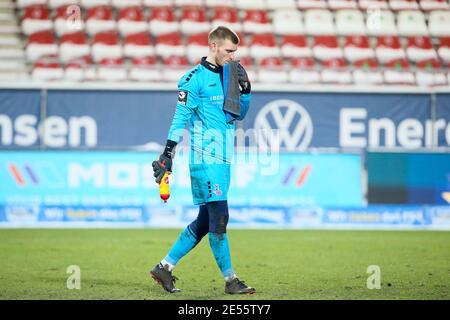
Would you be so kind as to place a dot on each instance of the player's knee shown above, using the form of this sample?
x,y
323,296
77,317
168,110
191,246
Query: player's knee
x,y
219,224
199,228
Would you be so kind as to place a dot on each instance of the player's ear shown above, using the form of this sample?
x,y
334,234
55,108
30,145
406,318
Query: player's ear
x,y
213,46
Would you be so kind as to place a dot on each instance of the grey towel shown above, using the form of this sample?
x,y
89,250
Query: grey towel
x,y
231,105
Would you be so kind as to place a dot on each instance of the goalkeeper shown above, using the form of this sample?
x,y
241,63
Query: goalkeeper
x,y
211,97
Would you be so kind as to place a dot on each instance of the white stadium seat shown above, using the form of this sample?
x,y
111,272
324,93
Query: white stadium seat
x,y
350,22
411,23
319,22
287,22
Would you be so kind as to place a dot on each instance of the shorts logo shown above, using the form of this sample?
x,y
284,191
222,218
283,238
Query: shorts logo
x,y
217,190
182,97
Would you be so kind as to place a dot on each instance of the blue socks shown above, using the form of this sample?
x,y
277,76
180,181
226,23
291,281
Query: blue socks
x,y
221,251
184,244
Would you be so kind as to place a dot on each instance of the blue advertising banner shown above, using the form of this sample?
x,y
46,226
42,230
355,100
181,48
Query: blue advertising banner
x,y
83,119
344,120
19,118
114,186
110,119
408,178
442,128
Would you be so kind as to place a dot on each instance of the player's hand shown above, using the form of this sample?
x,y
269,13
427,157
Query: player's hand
x,y
161,166
244,81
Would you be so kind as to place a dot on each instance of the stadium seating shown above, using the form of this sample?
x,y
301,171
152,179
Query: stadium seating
x,y
73,46
193,21
350,22
271,70
41,44
367,72
131,21
162,21
303,71
287,22
138,45
226,16
335,71
295,46
375,42
358,48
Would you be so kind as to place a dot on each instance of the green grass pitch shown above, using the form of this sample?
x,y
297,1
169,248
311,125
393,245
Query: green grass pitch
x,y
280,264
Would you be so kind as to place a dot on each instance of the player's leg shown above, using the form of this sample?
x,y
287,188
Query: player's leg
x,y
218,240
187,240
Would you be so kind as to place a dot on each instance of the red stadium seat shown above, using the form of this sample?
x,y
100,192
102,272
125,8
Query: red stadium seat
x,y
357,48
295,46
80,69
144,69
72,46
366,72
264,46
444,49
174,68
271,70
429,73
389,48
131,21
47,69
41,44
100,19
226,16
197,47
170,45
138,45
106,46
335,71
326,48
162,21
36,18
303,71
193,21
257,21
420,49
68,20
398,72
111,69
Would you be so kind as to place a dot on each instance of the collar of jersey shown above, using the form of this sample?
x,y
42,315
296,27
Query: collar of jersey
x,y
210,66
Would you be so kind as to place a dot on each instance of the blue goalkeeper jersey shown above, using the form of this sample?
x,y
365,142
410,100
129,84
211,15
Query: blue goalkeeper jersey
x,y
200,102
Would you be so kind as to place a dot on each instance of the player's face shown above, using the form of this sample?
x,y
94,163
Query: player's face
x,y
225,52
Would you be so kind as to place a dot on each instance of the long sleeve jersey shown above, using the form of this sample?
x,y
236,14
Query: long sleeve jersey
x,y
200,102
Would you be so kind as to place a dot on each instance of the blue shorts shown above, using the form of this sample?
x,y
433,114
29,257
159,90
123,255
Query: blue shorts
x,y
209,182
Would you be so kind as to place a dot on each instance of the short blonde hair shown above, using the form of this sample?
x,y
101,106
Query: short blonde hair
x,y
222,33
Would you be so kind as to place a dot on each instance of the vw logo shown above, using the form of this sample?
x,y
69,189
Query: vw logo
x,y
292,122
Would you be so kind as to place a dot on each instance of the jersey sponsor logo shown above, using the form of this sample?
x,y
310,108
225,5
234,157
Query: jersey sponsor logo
x,y
217,190
182,97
